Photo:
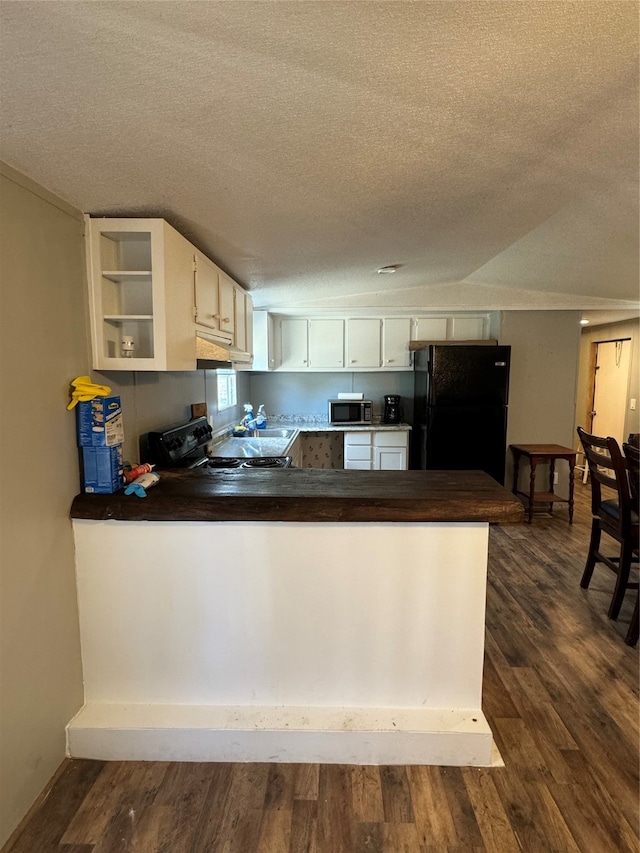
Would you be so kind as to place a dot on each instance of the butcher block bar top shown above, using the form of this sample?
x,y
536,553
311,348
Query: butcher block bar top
x,y
308,495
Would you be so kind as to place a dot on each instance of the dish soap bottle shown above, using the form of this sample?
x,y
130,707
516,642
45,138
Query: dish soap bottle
x,y
248,420
261,418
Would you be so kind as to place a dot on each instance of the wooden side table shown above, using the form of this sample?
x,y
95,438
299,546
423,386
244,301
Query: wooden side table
x,y
543,453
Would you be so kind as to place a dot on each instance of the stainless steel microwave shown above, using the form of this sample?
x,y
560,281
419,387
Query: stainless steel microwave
x,y
350,411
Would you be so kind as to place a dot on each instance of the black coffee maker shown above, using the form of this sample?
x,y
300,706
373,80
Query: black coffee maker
x,y
392,413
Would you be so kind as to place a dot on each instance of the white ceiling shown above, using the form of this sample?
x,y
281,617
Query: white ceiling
x,y
488,148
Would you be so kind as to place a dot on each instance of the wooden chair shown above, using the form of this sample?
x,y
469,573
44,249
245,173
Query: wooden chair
x,y
616,516
632,458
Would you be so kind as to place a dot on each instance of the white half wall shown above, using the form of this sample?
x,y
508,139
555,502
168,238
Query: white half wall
x,y
335,621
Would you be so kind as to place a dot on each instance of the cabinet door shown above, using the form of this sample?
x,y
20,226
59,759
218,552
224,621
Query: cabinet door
x,y
293,344
226,297
206,292
389,458
264,357
396,333
326,343
467,328
390,450
363,343
240,319
248,310
429,329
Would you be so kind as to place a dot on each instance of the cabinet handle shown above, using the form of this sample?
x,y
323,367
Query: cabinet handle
x,y
389,360
225,320
353,361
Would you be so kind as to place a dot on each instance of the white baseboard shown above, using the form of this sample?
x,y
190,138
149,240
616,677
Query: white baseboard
x,y
276,734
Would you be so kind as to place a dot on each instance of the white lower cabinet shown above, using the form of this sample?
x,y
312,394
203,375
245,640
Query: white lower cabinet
x,y
358,451
376,450
390,451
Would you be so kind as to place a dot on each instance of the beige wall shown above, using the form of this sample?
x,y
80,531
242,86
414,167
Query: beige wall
x,y
42,347
544,367
612,331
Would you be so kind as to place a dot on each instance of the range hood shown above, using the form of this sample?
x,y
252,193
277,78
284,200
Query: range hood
x,y
213,352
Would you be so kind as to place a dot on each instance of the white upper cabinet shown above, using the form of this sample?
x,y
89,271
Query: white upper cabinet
x,y
240,318
456,327
140,275
311,344
150,292
264,343
468,328
294,343
326,344
364,343
226,293
396,333
355,343
207,298
429,329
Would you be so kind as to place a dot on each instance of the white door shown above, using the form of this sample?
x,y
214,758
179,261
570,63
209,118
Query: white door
x,y
613,359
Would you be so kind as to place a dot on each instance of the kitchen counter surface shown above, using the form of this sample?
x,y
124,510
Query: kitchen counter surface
x,y
252,446
325,426
310,495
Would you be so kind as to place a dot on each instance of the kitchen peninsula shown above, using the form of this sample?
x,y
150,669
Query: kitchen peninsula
x,y
289,615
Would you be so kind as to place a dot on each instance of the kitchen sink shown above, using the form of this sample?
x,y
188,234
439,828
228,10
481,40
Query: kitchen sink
x,y
269,433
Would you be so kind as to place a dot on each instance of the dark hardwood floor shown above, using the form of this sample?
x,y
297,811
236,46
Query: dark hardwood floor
x,y
561,696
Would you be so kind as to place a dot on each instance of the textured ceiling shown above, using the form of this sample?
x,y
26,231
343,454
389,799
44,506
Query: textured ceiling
x,y
488,148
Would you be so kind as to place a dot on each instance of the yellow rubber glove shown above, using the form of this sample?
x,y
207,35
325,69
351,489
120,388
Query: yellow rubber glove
x,y
84,389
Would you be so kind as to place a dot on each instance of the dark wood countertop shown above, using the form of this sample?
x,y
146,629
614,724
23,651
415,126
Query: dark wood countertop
x,y
306,494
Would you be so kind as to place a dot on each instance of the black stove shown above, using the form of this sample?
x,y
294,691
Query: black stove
x,y
249,462
255,462
185,446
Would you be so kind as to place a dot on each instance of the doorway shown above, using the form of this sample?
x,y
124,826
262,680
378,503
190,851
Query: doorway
x,y
610,386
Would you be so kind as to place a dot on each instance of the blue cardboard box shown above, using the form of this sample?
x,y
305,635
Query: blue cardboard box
x,y
99,422
102,469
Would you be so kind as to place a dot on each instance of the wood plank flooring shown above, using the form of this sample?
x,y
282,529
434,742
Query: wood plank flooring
x,y
561,696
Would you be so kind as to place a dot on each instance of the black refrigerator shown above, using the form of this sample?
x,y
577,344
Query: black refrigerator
x,y
460,408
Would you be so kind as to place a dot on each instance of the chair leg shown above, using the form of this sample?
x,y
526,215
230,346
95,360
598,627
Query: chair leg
x,y
634,628
622,581
594,544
